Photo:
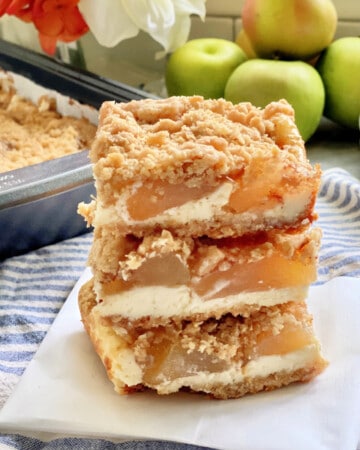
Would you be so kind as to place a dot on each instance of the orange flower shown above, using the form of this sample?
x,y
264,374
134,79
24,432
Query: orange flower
x,y
55,20
18,8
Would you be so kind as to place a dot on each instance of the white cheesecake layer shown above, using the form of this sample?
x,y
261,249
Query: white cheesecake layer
x,y
166,302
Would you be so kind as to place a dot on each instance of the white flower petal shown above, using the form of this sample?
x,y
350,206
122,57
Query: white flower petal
x,y
191,7
166,21
176,36
108,21
150,16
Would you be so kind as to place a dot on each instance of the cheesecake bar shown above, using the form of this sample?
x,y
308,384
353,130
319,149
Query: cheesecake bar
x,y
225,358
196,166
162,278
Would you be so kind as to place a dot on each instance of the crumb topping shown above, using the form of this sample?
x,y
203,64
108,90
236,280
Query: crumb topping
x,y
32,133
182,138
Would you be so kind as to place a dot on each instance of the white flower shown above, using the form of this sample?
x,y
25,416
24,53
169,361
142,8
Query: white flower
x,y
166,21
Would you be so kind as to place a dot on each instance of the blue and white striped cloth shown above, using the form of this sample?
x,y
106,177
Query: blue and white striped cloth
x,y
338,206
34,286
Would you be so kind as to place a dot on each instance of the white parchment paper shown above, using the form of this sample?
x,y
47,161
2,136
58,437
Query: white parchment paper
x,y
65,391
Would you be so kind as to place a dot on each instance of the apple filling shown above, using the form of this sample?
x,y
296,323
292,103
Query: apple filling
x,y
273,272
162,270
167,354
169,361
219,268
261,187
154,198
291,338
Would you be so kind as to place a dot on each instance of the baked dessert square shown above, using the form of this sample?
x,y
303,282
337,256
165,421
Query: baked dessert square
x,y
196,166
225,358
162,278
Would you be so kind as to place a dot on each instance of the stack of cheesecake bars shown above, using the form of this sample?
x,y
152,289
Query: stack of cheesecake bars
x,y
203,248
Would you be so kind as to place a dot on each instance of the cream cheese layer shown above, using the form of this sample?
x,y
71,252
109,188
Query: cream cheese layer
x,y
182,301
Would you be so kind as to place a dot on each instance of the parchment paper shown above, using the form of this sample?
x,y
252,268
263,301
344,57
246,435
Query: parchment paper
x,y
65,391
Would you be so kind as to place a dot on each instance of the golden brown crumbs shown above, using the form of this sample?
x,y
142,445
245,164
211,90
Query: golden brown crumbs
x,y
157,139
33,133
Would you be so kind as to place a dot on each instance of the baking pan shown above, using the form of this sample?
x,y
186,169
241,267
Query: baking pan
x,y
38,203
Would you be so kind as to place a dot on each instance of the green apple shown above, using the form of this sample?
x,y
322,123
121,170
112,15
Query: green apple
x,y
339,67
202,67
289,29
261,81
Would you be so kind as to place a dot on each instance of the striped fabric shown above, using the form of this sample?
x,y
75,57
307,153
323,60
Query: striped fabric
x,y
33,287
338,207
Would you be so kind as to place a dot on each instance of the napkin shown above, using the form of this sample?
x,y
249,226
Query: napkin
x,y
65,391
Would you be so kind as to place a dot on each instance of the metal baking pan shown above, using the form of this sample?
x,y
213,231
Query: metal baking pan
x,y
38,203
